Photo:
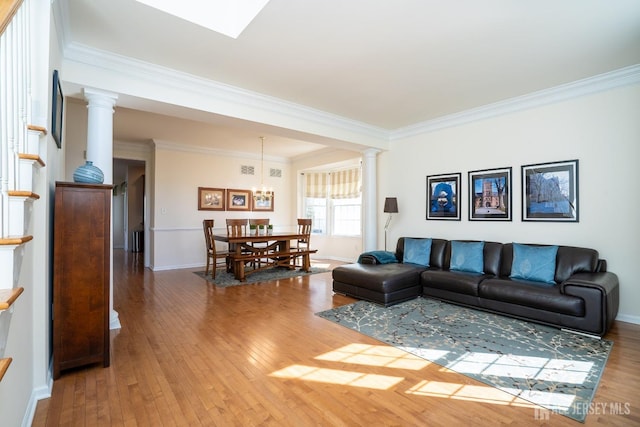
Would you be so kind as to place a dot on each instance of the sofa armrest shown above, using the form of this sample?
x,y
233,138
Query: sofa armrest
x,y
606,282
367,259
601,297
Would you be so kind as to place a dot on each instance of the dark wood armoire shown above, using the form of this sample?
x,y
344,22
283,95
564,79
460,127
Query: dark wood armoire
x,y
81,276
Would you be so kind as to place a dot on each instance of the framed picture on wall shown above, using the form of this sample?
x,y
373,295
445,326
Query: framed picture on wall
x,y
238,200
264,205
211,199
57,102
550,192
490,195
443,198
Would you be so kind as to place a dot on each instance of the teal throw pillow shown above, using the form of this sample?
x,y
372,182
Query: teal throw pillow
x,y
417,251
535,263
467,256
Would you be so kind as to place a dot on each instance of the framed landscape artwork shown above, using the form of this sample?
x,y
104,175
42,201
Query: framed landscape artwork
x,y
550,192
443,199
490,195
264,205
238,200
211,199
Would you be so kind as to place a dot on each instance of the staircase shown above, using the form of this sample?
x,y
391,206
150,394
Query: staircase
x,y
19,158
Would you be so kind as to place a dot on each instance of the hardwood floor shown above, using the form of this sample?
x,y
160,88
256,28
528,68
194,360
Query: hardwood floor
x,y
191,354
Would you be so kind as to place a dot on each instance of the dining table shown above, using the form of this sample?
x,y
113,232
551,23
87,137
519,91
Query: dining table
x,y
274,251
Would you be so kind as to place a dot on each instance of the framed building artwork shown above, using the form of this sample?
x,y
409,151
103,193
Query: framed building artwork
x,y
211,199
490,195
443,201
550,192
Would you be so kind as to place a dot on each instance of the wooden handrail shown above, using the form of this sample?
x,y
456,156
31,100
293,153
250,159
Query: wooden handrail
x,y
8,8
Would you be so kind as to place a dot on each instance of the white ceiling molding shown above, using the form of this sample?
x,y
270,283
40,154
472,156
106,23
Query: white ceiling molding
x,y
622,77
187,82
124,66
173,146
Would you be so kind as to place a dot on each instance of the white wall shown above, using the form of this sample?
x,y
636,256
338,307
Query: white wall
x,y
602,131
177,236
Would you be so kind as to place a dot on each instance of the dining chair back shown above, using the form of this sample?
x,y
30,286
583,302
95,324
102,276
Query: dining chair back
x,y
259,221
237,227
213,255
304,227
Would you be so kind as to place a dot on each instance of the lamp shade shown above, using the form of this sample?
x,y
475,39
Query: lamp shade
x,y
391,205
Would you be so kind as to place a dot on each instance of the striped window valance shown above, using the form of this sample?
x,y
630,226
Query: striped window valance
x,y
345,184
316,184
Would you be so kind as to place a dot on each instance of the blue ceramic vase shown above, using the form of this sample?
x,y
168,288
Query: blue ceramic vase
x,y
88,173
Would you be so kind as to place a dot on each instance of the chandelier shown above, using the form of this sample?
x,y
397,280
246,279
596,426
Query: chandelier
x,y
264,195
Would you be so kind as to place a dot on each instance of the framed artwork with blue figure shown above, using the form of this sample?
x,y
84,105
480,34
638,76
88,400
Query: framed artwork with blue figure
x,y
443,197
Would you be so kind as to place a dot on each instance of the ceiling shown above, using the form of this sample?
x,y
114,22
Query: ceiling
x,y
387,64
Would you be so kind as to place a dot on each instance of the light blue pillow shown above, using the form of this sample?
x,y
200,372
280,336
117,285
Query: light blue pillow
x,y
417,251
467,256
535,263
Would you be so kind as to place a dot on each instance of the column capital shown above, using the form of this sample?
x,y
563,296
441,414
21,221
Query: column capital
x,y
371,152
100,98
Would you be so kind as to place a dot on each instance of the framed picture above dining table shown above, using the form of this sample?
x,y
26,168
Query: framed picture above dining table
x,y
211,199
238,200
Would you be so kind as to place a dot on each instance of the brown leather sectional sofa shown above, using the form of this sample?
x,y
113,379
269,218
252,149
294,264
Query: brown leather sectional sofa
x,y
584,297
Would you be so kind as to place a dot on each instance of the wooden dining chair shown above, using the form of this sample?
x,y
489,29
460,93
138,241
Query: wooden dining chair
x,y
304,227
237,227
213,255
259,222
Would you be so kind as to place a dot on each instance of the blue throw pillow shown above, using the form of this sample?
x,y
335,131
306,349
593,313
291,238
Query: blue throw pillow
x,y
417,251
535,263
467,256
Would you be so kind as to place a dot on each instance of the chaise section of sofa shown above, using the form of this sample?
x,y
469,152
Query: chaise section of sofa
x,y
384,283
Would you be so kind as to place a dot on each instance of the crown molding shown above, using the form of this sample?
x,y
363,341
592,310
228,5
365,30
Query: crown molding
x,y
140,70
172,146
617,78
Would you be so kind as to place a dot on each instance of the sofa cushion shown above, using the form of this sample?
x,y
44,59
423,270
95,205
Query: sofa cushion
x,y
453,281
534,263
532,295
467,256
417,251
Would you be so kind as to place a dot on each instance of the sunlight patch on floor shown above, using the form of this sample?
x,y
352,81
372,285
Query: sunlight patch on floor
x,y
320,264
338,376
467,392
515,366
375,355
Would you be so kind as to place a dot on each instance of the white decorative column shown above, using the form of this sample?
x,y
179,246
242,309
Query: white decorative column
x,y
100,152
369,193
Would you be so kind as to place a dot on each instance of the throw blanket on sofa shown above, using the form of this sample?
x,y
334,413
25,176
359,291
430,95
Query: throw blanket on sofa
x,y
383,257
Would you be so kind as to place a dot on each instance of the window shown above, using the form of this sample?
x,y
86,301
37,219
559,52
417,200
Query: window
x,y
333,201
346,216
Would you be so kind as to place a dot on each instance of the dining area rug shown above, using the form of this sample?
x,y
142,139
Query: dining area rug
x,y
224,279
555,369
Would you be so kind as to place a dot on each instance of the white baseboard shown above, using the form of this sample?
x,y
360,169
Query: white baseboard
x,y
628,318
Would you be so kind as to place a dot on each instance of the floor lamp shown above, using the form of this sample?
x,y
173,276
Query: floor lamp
x,y
390,207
